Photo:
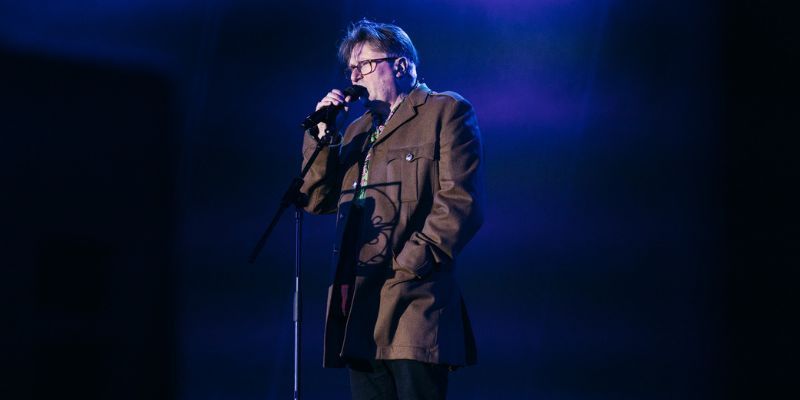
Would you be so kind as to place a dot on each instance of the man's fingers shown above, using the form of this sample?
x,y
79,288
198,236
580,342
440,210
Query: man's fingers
x,y
334,97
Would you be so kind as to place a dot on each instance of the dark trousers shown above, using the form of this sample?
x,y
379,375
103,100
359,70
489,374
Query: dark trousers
x,y
398,380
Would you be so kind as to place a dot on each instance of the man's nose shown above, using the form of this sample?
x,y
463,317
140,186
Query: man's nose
x,y
355,76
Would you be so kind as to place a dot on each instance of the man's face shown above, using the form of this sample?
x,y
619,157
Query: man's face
x,y
380,83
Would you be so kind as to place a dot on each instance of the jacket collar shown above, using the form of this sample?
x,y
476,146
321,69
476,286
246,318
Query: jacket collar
x,y
406,111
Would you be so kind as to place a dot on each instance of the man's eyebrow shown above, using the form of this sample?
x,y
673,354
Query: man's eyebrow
x,y
357,62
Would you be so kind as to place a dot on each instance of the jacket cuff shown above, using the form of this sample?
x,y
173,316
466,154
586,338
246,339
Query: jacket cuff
x,y
313,132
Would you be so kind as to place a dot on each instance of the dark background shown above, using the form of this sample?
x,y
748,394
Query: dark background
x,y
640,239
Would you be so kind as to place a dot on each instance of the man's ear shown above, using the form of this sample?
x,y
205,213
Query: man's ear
x,y
401,66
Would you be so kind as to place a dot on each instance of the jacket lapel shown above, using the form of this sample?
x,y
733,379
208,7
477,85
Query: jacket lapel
x,y
407,111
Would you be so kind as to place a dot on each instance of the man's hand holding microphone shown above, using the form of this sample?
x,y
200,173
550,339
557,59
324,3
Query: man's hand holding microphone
x,y
328,108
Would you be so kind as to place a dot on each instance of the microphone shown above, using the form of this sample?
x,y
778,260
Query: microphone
x,y
328,113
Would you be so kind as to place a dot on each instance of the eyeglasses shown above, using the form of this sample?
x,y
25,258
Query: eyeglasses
x,y
366,66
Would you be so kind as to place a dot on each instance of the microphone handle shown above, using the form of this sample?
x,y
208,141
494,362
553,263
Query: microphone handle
x,y
323,114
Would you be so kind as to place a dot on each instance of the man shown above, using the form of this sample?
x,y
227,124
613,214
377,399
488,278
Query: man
x,y
404,180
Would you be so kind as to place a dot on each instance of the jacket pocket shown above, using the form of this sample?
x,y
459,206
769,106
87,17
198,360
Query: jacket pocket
x,y
399,278
411,167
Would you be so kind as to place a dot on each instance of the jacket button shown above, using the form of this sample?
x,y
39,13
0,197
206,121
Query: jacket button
x,y
409,157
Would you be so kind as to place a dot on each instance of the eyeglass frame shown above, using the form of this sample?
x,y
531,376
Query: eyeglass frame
x,y
359,65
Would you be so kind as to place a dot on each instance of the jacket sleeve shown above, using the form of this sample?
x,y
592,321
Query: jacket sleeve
x,y
322,183
455,215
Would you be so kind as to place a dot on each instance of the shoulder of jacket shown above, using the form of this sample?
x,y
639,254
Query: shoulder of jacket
x,y
361,120
448,97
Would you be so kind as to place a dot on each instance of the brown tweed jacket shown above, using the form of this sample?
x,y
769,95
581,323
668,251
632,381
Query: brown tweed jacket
x,y
421,209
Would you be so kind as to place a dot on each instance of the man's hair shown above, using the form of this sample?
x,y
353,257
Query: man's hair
x,y
388,38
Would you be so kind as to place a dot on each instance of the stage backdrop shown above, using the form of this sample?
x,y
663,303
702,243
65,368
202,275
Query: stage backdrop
x,y
150,143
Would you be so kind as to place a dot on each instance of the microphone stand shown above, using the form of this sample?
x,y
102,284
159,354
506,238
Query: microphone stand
x,y
300,200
